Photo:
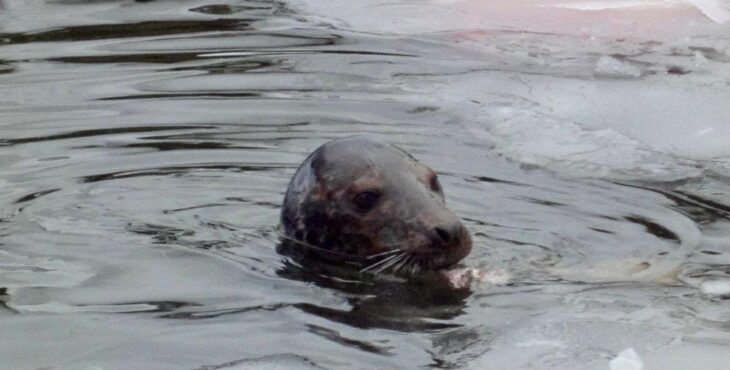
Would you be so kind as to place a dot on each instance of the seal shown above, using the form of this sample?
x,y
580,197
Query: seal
x,y
370,204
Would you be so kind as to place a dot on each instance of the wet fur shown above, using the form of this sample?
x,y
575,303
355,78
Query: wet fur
x,y
398,235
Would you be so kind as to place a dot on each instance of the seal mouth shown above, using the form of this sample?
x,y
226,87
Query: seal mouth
x,y
443,259
405,262
445,252
436,253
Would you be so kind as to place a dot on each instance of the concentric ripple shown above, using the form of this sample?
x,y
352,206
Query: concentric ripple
x,y
145,147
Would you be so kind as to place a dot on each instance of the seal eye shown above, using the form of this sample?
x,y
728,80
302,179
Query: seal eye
x,y
366,200
435,185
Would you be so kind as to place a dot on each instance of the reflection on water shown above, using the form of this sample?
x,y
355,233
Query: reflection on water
x,y
124,30
146,145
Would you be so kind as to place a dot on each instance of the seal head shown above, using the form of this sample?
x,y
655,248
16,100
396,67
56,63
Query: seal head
x,y
364,202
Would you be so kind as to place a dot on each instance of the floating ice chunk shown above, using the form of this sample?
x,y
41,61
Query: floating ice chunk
x,y
496,277
611,67
628,359
719,288
463,277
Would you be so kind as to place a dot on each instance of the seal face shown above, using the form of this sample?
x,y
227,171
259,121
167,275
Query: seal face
x,y
367,203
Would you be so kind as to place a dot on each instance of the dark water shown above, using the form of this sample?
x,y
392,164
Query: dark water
x,y
145,148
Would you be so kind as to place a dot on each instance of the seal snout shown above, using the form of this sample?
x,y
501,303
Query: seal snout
x,y
448,244
450,235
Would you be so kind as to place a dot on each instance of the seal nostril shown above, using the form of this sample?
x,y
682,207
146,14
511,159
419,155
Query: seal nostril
x,y
443,234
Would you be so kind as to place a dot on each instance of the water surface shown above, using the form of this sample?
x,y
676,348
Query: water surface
x,y
145,147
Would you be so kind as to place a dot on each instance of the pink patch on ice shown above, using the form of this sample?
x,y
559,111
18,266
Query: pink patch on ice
x,y
646,20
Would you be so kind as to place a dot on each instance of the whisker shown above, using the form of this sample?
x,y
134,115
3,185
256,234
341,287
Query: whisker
x,y
389,264
415,266
383,253
385,260
305,244
403,263
411,265
379,263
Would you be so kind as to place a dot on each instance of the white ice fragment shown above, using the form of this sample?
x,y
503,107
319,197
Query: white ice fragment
x,y
495,277
610,67
719,288
628,359
463,277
